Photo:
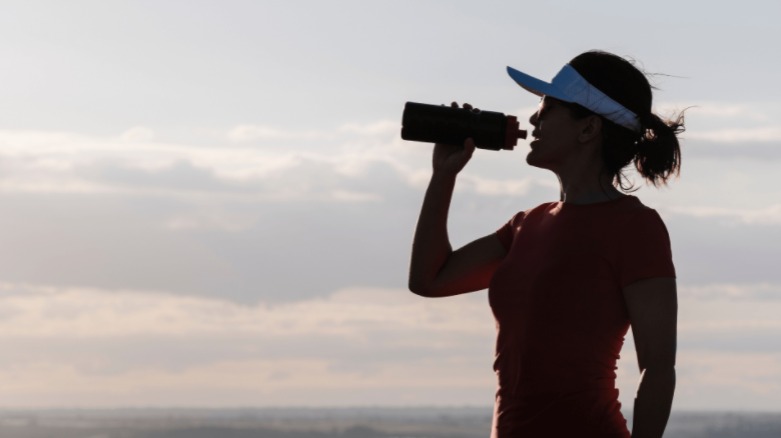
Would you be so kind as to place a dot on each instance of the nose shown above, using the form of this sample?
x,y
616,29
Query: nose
x,y
535,118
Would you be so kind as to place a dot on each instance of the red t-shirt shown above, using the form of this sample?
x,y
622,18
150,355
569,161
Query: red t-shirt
x,y
560,313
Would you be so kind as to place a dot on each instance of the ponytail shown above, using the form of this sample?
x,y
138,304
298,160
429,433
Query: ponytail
x,y
655,151
658,150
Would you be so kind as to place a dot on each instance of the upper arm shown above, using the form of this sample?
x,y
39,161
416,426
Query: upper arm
x,y
653,313
469,268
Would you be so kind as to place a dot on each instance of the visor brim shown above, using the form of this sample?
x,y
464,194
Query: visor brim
x,y
536,86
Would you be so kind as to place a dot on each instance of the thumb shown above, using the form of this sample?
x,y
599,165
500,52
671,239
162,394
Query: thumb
x,y
469,147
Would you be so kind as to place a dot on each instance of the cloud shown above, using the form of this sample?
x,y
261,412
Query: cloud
x,y
138,134
755,153
728,348
115,347
738,135
769,215
714,380
380,128
212,219
256,167
43,311
255,133
240,222
265,133
501,187
733,292
732,112
721,112
342,169
256,382
354,346
726,131
134,164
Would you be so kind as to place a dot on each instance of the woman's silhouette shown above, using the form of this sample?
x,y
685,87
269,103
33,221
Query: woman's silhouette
x,y
567,279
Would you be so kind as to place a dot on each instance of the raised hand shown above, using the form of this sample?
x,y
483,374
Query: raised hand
x,y
452,158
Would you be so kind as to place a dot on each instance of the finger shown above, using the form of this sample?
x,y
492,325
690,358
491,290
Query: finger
x,y
469,146
454,104
467,106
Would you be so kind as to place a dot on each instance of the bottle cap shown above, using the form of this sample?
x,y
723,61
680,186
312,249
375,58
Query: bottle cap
x,y
512,134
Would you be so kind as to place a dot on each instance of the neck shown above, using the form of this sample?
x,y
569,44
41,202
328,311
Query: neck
x,y
587,186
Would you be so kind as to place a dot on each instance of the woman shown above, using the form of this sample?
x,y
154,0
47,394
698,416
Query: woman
x,y
566,279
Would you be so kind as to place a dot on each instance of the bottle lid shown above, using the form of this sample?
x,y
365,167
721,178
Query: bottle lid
x,y
513,133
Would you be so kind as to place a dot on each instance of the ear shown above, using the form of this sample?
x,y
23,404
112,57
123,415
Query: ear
x,y
591,128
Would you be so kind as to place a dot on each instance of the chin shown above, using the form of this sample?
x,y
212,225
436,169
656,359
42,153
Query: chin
x,y
533,159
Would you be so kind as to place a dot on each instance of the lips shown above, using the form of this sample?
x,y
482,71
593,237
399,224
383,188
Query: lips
x,y
536,135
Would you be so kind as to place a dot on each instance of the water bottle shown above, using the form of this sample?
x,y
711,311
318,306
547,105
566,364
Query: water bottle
x,y
449,125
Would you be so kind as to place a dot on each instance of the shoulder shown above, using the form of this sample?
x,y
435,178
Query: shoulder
x,y
632,224
534,212
643,246
521,220
631,213
642,217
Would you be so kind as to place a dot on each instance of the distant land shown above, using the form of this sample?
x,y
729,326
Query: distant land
x,y
362,422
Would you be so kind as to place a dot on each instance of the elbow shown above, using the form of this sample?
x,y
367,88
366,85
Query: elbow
x,y
664,371
659,380
418,290
660,363
660,369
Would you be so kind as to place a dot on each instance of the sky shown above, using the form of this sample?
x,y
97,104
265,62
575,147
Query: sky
x,y
208,203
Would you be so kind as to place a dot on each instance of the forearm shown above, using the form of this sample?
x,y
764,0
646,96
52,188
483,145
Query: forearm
x,y
653,402
431,245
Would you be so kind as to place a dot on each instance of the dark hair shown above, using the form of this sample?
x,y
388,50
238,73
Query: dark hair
x,y
654,150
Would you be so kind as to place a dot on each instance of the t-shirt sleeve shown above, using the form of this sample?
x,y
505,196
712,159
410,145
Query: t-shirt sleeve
x,y
644,251
507,232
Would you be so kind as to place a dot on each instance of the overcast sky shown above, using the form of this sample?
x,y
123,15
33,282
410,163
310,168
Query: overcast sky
x,y
207,203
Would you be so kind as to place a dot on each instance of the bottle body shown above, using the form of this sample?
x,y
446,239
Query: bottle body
x,y
449,125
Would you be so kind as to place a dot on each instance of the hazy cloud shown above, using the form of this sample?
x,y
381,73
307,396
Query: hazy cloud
x,y
769,215
739,135
243,221
733,292
133,163
255,133
109,347
352,314
138,134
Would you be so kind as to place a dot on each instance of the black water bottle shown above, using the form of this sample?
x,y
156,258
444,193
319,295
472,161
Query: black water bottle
x,y
449,125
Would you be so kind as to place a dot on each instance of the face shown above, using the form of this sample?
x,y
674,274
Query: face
x,y
555,135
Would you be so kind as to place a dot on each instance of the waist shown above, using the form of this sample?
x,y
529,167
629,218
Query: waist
x,y
538,395
586,413
522,383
